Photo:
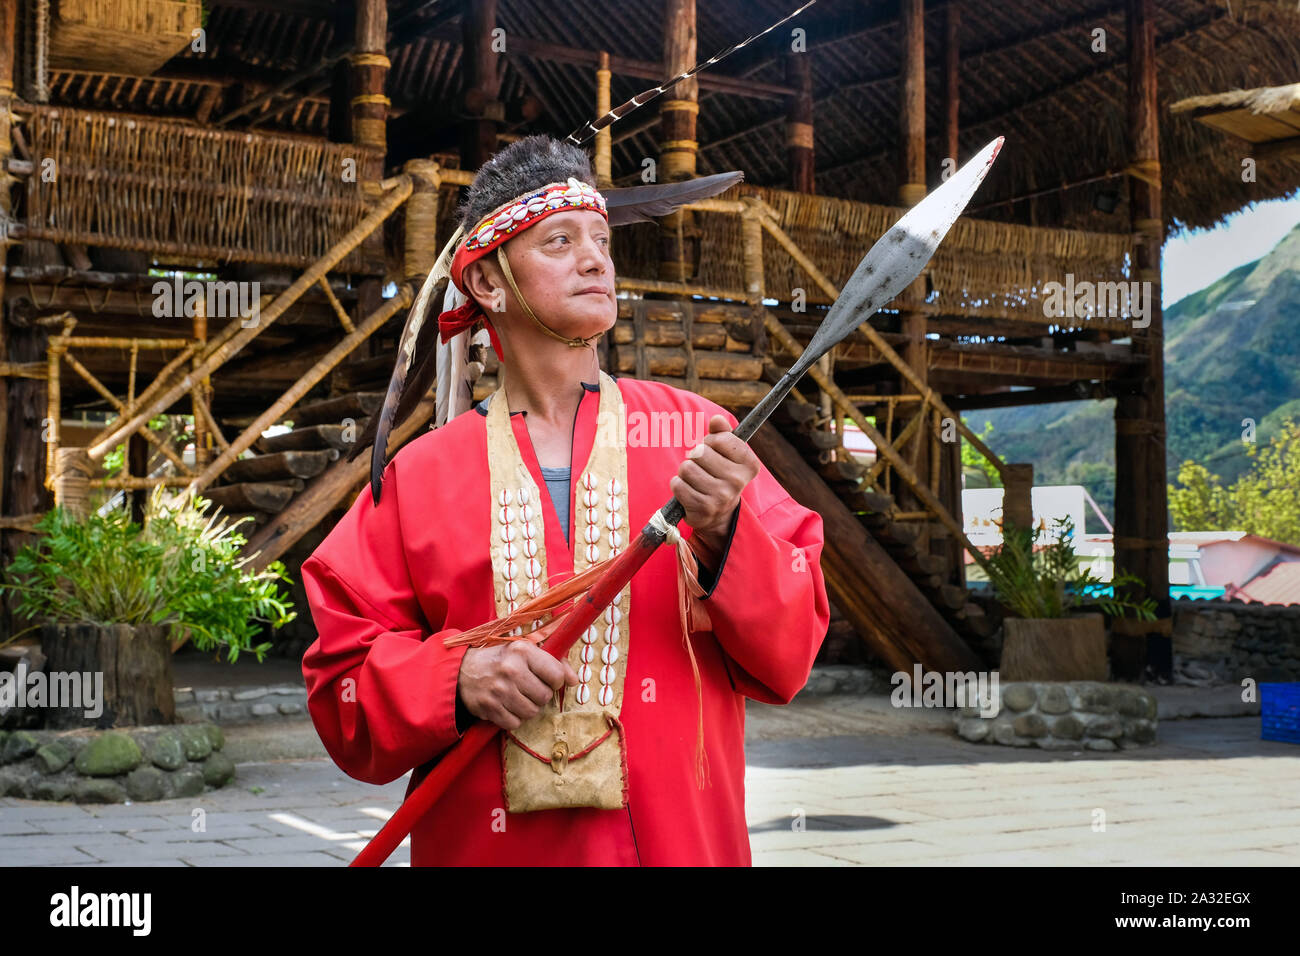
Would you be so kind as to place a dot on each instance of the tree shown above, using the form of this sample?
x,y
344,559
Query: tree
x,y
973,459
1263,501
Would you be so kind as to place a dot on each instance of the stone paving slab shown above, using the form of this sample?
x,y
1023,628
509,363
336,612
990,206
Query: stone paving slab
x,y
902,790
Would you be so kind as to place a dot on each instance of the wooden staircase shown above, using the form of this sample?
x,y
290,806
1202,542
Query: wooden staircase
x,y
905,542
288,465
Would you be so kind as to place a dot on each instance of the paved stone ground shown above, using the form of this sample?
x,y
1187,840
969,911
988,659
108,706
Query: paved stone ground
x,y
831,781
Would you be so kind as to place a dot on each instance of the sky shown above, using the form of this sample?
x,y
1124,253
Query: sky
x,y
1194,259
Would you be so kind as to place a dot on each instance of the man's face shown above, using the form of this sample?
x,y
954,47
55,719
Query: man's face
x,y
564,271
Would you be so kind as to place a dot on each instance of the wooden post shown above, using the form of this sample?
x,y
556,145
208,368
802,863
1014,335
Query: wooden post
x,y
8,29
137,466
1017,495
24,451
678,147
481,98
799,123
370,66
912,190
1141,538
604,139
201,397
751,238
421,239
951,82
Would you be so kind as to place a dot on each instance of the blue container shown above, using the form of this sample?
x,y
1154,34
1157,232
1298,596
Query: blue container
x,y
1279,708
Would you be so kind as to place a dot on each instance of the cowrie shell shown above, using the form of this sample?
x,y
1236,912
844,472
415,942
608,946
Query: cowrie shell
x,y
606,696
610,654
590,635
588,653
582,694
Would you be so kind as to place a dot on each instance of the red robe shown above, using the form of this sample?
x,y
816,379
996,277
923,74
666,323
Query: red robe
x,y
390,582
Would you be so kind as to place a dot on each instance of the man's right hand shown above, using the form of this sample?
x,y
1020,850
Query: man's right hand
x,y
510,683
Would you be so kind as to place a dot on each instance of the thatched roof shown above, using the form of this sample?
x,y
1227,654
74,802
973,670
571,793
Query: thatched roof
x,y
1028,71
1264,115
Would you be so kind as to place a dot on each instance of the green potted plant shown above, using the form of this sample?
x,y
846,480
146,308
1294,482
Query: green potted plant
x,y
1055,630
117,598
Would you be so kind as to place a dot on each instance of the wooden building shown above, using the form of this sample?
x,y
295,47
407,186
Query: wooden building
x,y
220,209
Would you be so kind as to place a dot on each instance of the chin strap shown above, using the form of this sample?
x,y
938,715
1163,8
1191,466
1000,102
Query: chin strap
x,y
574,343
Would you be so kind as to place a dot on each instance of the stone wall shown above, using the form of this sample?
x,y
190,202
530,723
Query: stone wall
x,y
236,705
1071,715
1227,641
111,766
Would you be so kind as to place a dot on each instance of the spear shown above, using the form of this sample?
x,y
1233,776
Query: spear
x,y
886,270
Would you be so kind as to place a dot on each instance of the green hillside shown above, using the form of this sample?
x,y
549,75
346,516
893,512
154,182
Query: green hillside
x,y
1231,354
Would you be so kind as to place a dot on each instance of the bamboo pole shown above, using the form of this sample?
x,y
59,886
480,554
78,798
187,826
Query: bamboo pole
x,y
877,341
301,387
212,427
53,401
604,139
237,341
190,348
199,394
112,399
344,319
677,288
905,471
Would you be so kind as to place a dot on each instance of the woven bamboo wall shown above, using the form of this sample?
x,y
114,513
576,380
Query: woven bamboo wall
x,y
983,269
179,190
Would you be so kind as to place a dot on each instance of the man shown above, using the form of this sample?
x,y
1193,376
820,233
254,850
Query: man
x,y
600,756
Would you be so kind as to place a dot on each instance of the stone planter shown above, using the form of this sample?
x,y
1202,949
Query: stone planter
x,y
136,668
1054,649
112,766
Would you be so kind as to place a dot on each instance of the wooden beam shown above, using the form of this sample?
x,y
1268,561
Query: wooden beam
x,y
678,109
1141,499
799,124
951,82
899,625
1079,391
310,507
891,75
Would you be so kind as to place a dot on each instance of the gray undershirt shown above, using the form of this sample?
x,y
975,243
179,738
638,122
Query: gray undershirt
x,y
557,483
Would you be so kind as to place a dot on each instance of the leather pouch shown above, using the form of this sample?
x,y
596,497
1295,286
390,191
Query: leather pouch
x,y
564,760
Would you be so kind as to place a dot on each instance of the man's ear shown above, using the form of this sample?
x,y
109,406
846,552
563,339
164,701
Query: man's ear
x,y
486,285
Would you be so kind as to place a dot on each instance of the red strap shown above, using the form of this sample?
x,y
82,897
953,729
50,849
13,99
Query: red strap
x,y
459,319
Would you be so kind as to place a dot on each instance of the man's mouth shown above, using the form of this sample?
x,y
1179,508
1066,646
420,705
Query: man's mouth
x,y
594,290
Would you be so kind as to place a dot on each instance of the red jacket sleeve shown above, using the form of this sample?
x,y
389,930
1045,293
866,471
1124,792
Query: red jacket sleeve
x,y
381,688
768,601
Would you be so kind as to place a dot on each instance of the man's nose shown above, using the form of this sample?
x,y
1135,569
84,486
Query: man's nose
x,y
591,254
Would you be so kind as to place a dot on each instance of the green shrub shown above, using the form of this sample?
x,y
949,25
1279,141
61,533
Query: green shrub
x,y
1046,581
182,569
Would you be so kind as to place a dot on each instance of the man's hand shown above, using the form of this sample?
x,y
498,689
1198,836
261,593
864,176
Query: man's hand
x,y
709,483
510,683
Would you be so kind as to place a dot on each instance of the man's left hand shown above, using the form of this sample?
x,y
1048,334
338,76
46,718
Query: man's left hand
x,y
709,483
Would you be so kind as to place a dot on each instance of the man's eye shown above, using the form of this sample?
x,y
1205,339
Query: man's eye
x,y
560,236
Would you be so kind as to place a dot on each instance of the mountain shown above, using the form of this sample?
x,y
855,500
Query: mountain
x,y
1231,354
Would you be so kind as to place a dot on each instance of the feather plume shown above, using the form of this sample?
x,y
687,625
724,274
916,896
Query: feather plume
x,y
646,203
592,127
415,333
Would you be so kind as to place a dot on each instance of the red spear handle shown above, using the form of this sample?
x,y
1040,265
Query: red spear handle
x,y
584,613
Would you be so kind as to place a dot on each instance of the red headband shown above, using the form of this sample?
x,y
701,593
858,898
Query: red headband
x,y
504,224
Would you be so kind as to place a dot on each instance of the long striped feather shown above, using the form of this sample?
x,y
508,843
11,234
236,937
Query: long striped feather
x,y
406,347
